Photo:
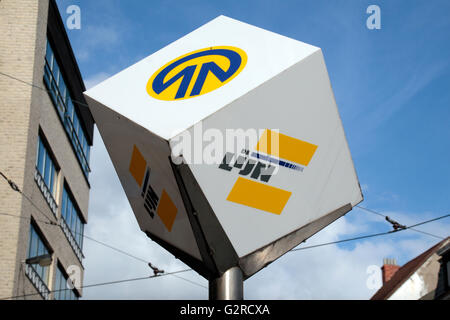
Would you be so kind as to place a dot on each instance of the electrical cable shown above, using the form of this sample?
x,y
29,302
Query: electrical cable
x,y
369,235
19,217
193,282
38,87
102,284
113,248
15,188
52,223
388,219
109,246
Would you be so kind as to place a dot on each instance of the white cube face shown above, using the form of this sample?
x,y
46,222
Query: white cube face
x,y
224,82
141,161
308,175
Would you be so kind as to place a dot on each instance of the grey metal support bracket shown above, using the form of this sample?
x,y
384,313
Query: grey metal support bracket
x,y
261,258
215,248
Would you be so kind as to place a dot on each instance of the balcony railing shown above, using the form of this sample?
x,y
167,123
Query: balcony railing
x,y
45,191
70,237
37,282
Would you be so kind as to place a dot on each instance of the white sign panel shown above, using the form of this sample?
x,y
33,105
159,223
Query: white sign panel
x,y
251,117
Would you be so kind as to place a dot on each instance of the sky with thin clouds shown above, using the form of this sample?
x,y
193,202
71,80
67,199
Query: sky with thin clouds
x,y
391,87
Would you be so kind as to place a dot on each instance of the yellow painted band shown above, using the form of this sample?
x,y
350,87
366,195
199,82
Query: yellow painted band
x,y
285,147
137,165
259,196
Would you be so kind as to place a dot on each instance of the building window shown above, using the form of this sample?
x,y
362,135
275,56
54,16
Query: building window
x,y
61,290
46,174
71,222
62,100
37,274
46,167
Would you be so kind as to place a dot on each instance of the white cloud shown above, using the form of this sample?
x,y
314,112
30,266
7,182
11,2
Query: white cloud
x,y
365,187
94,38
96,79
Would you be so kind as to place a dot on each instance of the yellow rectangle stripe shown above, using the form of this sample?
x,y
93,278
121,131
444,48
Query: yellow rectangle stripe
x,y
259,196
167,210
285,147
138,165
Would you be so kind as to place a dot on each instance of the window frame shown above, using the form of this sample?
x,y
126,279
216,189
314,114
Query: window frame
x,y
48,155
76,217
61,273
40,237
54,80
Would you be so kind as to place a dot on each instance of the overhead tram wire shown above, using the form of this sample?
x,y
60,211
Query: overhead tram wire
x,y
427,233
388,219
137,258
371,211
295,249
85,236
102,284
186,270
187,280
344,240
369,235
20,217
16,188
109,246
116,249
424,222
38,87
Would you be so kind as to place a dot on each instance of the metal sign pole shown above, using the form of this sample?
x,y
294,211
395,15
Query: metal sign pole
x,y
230,286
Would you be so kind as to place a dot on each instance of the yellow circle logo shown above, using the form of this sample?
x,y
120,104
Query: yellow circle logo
x,y
196,73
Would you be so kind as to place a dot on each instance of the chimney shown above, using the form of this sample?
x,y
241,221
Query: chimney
x,y
389,268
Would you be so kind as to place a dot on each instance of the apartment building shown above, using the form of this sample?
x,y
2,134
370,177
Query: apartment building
x,y
46,133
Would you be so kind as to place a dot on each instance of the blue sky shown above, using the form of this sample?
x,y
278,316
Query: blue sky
x,y
391,86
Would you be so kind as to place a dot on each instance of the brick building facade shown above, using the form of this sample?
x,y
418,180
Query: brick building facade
x,y
45,139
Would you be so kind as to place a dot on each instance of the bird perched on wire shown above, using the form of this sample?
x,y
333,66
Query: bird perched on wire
x,y
395,224
156,271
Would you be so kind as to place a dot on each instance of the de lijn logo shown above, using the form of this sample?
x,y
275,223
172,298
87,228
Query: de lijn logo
x,y
196,73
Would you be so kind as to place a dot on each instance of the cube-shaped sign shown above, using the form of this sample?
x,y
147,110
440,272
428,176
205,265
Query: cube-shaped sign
x,y
229,145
